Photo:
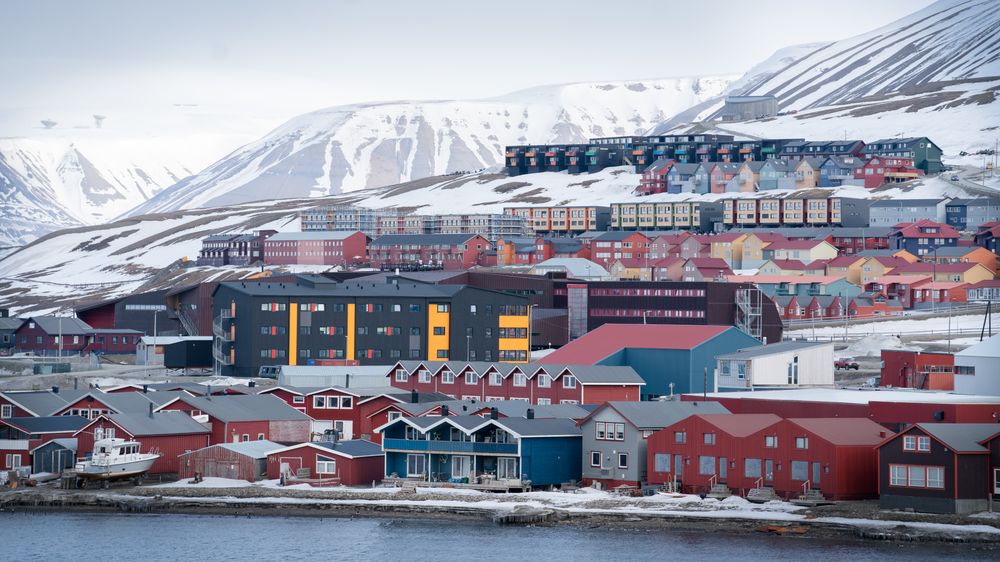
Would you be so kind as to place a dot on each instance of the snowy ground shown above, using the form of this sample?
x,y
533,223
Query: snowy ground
x,y
963,326
582,502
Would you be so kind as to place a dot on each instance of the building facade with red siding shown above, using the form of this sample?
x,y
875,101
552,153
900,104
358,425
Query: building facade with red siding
x,y
168,434
237,461
918,369
349,463
235,418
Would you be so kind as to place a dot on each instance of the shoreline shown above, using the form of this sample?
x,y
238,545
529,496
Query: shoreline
x,y
259,502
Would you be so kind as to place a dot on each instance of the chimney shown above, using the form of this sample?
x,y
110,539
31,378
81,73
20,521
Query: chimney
x,y
76,383
208,396
347,380
145,388
494,413
414,397
55,390
150,410
531,413
881,434
444,411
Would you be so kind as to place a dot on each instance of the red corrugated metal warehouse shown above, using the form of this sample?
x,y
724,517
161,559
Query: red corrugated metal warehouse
x,y
348,463
238,461
168,434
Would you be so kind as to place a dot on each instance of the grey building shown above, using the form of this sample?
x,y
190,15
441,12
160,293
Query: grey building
x,y
890,212
616,433
745,108
970,214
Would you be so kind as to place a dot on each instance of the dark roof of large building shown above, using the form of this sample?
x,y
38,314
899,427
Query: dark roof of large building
x,y
48,424
353,448
902,203
41,402
740,425
353,288
11,324
246,408
66,325
421,239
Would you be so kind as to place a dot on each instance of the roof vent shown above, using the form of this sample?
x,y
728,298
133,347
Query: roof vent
x,y
55,390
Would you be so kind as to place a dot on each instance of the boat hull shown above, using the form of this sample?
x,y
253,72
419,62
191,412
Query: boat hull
x,y
88,471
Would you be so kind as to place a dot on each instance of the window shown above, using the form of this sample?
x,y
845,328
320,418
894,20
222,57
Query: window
x,y
394,415
442,308
680,437
472,309
397,308
325,465
706,465
439,331
924,444
751,468
496,379
415,331
801,442
346,402
595,458
442,354
414,308
260,437
415,465
401,375
771,441
916,443
599,430
544,381
7,411
319,401
447,377
661,462
424,375
362,330
246,437
935,477
622,460
709,438
298,399
569,381
471,377
507,468
917,476
13,460
520,379
461,466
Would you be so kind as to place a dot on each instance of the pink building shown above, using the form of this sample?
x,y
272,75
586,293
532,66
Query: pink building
x,y
336,247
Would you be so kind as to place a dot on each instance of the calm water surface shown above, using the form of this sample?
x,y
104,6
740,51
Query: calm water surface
x,y
104,537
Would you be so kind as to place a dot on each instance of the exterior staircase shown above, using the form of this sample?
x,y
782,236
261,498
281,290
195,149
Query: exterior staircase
x,y
762,494
719,491
811,498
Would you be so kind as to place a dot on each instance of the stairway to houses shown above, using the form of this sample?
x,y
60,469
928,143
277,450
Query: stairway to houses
x,y
719,491
812,498
762,494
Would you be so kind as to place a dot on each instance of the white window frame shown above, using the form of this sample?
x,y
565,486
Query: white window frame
x,y
447,377
802,443
543,380
568,381
471,378
323,466
598,456
520,379
6,411
620,457
298,399
319,402
394,415
422,462
461,466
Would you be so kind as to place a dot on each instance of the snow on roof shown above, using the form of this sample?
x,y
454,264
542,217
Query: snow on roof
x,y
857,396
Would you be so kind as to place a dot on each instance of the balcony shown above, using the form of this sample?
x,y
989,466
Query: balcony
x,y
510,155
221,333
590,153
765,150
434,446
220,356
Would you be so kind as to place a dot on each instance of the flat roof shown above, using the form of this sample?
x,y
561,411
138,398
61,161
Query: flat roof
x,y
857,396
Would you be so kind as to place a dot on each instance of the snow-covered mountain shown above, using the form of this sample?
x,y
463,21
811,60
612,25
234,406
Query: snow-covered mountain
x,y
346,148
55,182
935,72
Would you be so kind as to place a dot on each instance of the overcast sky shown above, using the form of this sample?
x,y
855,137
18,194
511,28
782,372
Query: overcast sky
x,y
267,61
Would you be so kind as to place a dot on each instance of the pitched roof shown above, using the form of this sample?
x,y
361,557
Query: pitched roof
x,y
313,235
41,402
844,431
791,279
12,324
795,244
660,414
353,448
255,449
930,267
246,408
541,427
795,265
608,339
740,425
160,423
961,437
67,325
844,261
47,424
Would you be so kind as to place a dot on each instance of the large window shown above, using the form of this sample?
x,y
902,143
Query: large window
x,y
416,465
325,465
751,468
661,462
507,468
609,431
916,443
706,466
544,381
461,466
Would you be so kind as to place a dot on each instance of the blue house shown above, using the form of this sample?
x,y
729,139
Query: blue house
x,y
670,358
838,169
512,453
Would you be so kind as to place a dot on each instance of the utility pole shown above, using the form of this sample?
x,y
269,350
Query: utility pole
x,y
60,338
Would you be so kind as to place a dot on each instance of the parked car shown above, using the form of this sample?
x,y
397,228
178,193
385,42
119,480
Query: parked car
x,y
954,177
846,363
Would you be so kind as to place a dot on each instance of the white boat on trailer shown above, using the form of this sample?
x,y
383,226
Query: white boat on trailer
x,y
114,459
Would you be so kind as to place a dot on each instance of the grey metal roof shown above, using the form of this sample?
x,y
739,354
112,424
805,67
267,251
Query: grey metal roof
x,y
962,437
246,408
945,251
67,325
160,423
352,288
877,253
771,348
48,424
541,427
253,449
10,323
595,373
859,231
614,235
313,235
657,415
574,266
353,448
421,239
906,202
41,402
123,402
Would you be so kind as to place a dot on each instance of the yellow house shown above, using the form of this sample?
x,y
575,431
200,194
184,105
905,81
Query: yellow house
x,y
727,246
631,269
877,266
806,251
748,175
966,272
807,173
848,267
753,247
782,267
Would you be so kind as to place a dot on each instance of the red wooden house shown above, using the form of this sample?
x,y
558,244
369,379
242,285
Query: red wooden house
x,y
535,384
246,460
19,437
900,287
347,463
33,403
42,335
167,433
245,418
918,369
449,251
879,170
654,178
852,240
833,455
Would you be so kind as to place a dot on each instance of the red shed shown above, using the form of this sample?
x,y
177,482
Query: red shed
x,y
349,463
918,369
169,434
246,460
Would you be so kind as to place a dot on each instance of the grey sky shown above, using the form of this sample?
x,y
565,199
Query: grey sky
x,y
272,60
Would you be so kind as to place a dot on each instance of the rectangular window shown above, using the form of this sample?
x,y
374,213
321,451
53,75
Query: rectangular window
x,y
415,465
706,465
709,438
935,477
771,441
442,354
298,399
599,430
801,442
917,476
751,468
496,379
442,308
319,401
622,460
595,458
661,462
924,444
6,411
909,443
346,402
569,381
544,381
260,437
680,437
439,331
447,377
325,465
520,379
414,308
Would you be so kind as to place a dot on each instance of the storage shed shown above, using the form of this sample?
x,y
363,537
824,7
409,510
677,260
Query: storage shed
x,y
246,460
54,456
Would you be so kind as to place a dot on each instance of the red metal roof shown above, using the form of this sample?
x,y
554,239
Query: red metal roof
x,y
844,431
740,425
912,229
844,261
611,338
795,244
930,267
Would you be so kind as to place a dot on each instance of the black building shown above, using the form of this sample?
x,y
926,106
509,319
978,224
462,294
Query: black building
x,y
312,321
143,312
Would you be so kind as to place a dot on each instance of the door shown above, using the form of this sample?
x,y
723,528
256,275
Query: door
x,y
996,480
723,468
290,466
678,466
345,427
817,472
769,470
